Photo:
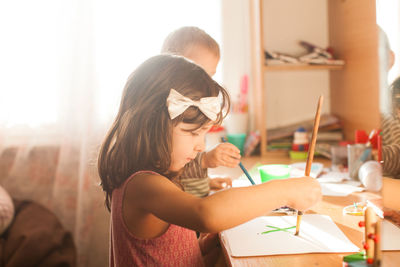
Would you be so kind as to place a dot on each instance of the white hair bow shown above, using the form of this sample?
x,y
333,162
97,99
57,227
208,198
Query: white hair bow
x,y
177,104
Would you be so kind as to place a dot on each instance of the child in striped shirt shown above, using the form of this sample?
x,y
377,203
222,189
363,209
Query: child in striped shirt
x,y
391,134
196,45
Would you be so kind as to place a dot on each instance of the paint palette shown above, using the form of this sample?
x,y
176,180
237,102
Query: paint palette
x,y
357,209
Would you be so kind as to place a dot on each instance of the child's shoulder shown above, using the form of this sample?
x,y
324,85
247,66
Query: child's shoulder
x,y
143,176
144,182
144,187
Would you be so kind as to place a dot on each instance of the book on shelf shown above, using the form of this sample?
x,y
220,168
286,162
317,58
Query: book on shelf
x,y
315,56
327,122
276,57
315,50
325,61
329,134
280,144
336,135
323,149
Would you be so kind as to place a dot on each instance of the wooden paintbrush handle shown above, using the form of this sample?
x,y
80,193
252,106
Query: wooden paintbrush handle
x,y
311,150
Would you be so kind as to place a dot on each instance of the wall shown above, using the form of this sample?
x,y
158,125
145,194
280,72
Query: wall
x,y
235,46
355,90
292,96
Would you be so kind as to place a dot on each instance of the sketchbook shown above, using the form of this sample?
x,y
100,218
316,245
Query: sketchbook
x,y
274,235
390,236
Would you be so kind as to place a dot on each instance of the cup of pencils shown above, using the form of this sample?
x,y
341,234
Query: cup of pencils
x,y
357,155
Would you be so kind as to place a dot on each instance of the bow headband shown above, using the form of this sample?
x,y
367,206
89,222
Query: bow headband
x,y
178,103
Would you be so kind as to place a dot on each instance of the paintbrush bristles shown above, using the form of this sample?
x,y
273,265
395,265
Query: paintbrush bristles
x,y
299,213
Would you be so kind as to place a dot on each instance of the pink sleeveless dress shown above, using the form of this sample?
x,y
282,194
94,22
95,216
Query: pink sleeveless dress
x,y
178,246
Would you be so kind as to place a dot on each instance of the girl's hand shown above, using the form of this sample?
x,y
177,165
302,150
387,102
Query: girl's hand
x,y
224,154
303,192
220,183
210,248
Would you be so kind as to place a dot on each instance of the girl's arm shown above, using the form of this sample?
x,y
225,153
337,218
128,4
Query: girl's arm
x,y
157,195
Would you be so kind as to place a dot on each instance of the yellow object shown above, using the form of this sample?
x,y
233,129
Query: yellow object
x,y
357,209
298,154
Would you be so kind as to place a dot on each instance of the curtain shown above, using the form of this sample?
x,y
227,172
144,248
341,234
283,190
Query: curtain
x,y
64,65
388,19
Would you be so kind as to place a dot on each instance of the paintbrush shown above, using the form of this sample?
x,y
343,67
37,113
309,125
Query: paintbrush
x,y
243,168
310,154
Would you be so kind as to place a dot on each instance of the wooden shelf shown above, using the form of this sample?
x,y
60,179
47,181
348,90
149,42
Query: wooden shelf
x,y
353,35
289,67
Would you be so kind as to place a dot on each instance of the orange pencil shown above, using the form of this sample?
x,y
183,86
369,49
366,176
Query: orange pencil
x,y
310,154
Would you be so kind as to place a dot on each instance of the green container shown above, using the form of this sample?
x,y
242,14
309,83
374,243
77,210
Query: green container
x,y
298,154
238,140
274,171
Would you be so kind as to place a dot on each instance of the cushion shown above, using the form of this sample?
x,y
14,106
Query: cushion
x,y
6,210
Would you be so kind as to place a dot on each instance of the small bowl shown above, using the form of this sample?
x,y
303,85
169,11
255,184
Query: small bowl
x,y
274,171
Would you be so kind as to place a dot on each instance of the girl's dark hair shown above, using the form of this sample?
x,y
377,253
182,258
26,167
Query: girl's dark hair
x,y
141,136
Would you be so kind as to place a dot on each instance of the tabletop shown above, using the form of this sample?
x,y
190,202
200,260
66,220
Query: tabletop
x,y
330,205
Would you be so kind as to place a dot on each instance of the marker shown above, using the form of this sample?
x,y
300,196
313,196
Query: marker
x,y
243,168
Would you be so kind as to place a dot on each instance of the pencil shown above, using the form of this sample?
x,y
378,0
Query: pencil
x,y
310,154
243,168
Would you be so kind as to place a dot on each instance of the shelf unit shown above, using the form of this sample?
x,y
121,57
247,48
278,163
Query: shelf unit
x,y
354,88
291,67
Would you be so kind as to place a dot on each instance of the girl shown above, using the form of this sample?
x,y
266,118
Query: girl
x,y
167,107
195,44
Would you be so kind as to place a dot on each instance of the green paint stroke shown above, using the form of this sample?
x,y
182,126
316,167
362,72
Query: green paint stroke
x,y
276,229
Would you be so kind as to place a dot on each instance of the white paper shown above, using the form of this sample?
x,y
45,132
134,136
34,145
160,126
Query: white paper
x,y
390,236
338,184
299,169
241,182
318,234
334,177
339,189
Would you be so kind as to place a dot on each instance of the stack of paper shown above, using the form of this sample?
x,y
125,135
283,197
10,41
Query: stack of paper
x,y
390,236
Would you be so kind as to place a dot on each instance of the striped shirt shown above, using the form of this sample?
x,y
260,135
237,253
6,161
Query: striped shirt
x,y
390,130
391,160
391,145
194,178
